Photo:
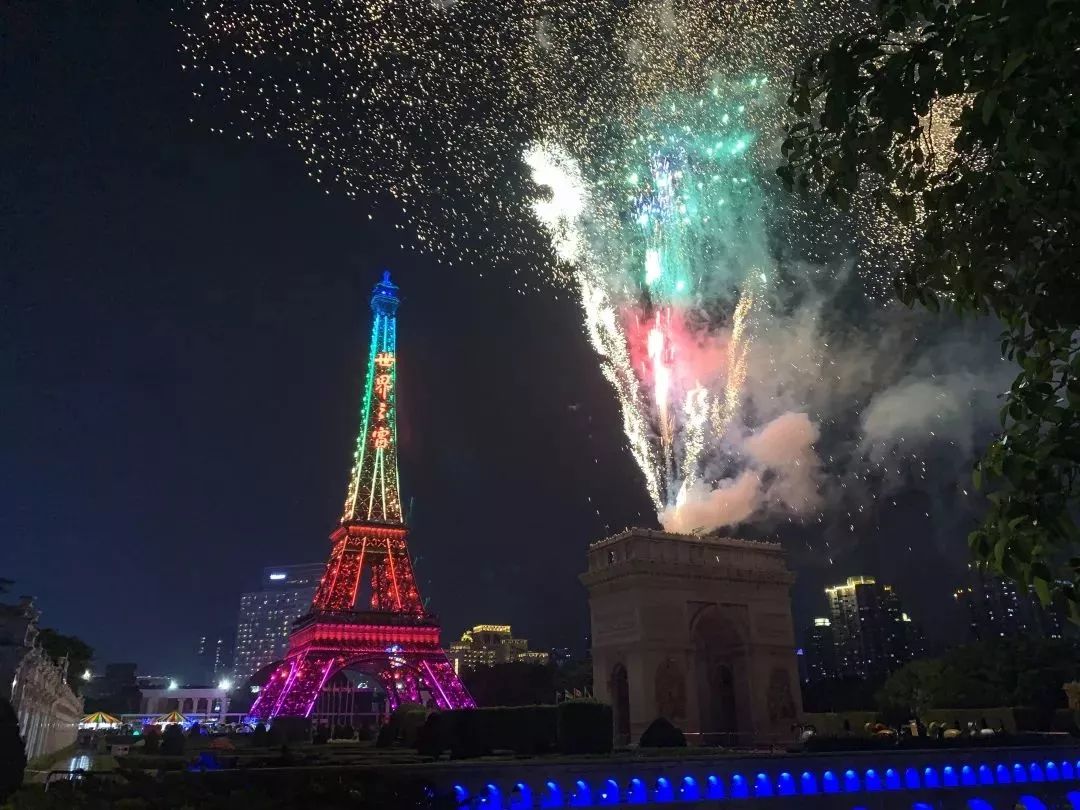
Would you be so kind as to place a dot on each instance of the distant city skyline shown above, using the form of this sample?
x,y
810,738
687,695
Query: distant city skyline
x,y
865,634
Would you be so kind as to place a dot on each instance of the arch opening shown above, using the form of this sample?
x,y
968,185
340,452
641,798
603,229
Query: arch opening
x,y
719,674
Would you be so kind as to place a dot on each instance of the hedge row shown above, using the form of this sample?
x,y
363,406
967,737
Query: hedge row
x,y
573,727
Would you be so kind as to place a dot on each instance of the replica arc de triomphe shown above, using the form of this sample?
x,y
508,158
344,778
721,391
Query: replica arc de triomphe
x,y
694,629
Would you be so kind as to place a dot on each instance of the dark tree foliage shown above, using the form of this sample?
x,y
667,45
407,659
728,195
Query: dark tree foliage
x,y
1002,672
996,218
575,675
78,652
12,754
840,694
513,684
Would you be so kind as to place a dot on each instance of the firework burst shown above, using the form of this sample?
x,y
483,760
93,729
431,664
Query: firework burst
x,y
639,135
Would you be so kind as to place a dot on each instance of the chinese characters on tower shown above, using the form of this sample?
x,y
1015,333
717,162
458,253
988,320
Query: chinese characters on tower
x,y
381,432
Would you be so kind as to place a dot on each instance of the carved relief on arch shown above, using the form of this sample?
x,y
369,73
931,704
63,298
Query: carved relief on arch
x,y
669,689
780,702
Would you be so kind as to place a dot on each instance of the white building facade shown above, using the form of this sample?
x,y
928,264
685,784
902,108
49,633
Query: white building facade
x,y
47,708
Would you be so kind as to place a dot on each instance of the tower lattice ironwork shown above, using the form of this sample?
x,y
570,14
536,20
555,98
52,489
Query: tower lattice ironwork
x,y
395,639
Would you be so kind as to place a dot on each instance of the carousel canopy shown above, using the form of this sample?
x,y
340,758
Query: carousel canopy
x,y
170,718
99,719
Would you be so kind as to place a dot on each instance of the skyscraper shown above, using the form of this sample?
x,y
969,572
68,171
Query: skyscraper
x,y
819,651
213,658
873,635
266,616
995,607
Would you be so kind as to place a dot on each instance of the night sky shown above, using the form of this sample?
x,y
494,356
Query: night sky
x,y
183,320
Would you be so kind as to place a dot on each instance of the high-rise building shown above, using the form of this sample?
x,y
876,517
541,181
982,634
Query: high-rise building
x,y
873,636
266,615
212,659
819,651
996,607
488,644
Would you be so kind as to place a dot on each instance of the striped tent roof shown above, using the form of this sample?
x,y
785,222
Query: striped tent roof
x,y
99,719
170,718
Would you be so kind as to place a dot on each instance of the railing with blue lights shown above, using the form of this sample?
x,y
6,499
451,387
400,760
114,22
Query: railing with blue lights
x,y
580,793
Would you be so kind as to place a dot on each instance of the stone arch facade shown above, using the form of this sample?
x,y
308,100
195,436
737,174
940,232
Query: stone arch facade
x,y
669,691
702,629
722,677
618,687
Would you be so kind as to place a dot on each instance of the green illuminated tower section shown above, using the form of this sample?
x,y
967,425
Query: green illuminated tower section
x,y
374,494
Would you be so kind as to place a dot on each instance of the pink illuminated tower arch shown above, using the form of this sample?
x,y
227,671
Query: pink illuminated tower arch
x,y
395,639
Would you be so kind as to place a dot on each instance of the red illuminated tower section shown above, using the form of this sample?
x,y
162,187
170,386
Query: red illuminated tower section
x,y
395,638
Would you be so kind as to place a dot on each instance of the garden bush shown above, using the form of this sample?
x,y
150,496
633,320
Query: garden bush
x,y
525,730
469,732
661,733
407,719
531,729
284,730
386,737
431,739
584,727
151,762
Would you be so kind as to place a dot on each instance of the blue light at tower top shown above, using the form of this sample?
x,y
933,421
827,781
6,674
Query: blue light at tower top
x,y
384,299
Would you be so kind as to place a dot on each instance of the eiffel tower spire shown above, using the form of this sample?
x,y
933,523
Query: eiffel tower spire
x,y
374,494
394,636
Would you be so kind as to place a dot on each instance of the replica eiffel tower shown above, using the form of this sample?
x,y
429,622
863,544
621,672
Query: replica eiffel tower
x,y
396,640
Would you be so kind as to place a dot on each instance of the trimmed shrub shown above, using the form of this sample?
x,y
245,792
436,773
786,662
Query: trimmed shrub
x,y
1065,720
321,736
531,730
386,737
661,733
477,732
584,727
407,719
284,730
172,740
12,753
470,732
431,739
139,762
